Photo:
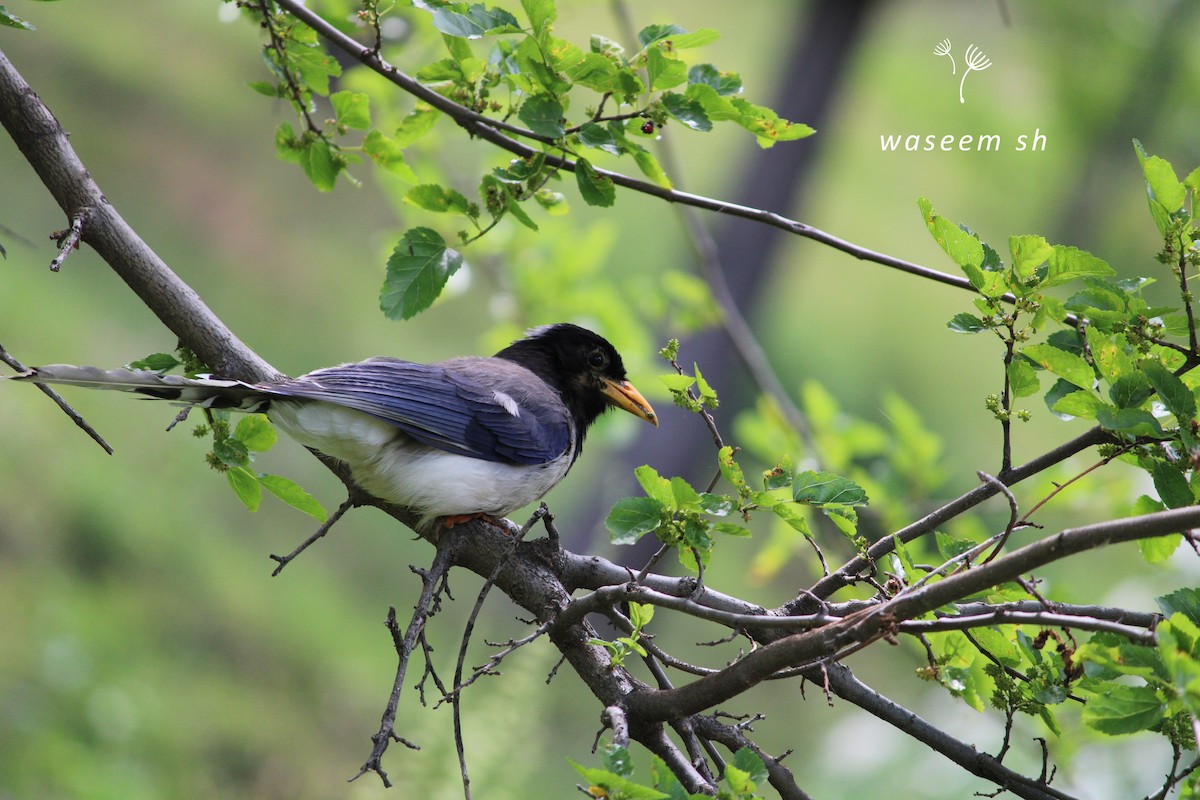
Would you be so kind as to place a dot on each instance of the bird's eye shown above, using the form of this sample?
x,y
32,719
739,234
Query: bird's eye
x,y
596,359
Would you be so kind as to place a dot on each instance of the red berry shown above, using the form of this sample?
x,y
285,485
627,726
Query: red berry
x,y
647,127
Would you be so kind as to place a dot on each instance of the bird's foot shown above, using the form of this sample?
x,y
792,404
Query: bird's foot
x,y
458,519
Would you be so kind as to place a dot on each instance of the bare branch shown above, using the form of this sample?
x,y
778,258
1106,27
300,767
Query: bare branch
x,y
74,415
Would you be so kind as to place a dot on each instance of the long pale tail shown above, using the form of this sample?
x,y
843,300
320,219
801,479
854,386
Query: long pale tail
x,y
206,392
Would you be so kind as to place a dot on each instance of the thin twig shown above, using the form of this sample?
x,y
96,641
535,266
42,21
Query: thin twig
x,y
74,415
350,502
431,579
68,240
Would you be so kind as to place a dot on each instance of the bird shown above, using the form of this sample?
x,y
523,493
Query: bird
x,y
469,437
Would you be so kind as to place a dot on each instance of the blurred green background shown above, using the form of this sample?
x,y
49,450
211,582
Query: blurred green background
x,y
144,650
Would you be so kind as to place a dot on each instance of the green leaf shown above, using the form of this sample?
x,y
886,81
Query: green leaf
x,y
654,33
1063,364
433,197
723,83
417,272
1174,395
592,134
416,124
826,488
1068,263
662,71
156,362
291,493
687,110
1172,487
541,13
640,614
768,126
256,433
11,20
1131,421
633,517
650,167
1157,549
1028,253
966,323
313,65
749,762
1118,709
352,109
1164,192
656,487
596,189
1129,391
245,486
388,154
1074,402
1108,354
1181,601
1022,378
697,38
963,248
476,22
231,452
731,471
616,785
543,114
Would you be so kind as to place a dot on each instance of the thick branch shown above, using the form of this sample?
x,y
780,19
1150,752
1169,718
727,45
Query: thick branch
x,y
856,629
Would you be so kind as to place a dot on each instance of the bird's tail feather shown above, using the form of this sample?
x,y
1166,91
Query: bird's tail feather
x,y
206,392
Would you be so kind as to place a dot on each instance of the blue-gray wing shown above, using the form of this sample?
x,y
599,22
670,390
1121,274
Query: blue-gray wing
x,y
447,408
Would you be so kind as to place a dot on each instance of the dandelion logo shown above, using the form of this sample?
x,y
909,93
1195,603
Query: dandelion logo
x,y
976,61
943,49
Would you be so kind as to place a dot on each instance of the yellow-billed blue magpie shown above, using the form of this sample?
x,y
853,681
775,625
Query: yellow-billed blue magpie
x,y
465,437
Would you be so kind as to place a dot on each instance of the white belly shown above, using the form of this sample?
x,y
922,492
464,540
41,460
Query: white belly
x,y
389,465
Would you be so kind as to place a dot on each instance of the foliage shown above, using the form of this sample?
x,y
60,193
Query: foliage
x,y
943,581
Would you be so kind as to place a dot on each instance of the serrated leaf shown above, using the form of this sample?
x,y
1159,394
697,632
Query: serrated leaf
x,y
1184,601
1068,263
654,33
662,71
541,13
1075,402
596,189
387,154
415,125
245,486
417,272
767,125
156,362
1177,398
1022,378
723,83
966,323
1130,391
687,110
826,488
256,433
1118,709
650,167
1028,253
614,784
231,452
1172,487
1131,421
655,486
543,114
433,197
11,20
731,471
476,22
1065,365
963,248
632,517
352,109
592,134
291,493
1108,354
